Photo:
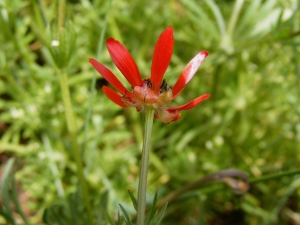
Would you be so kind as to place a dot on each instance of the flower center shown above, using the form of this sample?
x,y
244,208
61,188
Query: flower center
x,y
143,95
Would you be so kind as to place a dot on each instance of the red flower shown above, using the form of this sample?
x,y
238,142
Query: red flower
x,y
153,92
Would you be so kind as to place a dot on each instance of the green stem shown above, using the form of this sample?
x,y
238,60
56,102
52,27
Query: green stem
x,y
53,167
61,13
93,83
141,207
275,176
75,147
257,180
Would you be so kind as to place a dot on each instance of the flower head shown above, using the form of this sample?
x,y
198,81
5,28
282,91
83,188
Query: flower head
x,y
154,91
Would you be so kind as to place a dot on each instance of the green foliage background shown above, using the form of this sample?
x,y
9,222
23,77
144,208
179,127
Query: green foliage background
x,y
251,122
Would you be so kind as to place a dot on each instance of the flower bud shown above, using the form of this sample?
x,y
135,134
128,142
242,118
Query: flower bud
x,y
62,44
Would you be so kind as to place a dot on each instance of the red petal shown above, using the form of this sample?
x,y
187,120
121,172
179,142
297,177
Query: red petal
x,y
191,104
109,76
113,96
188,73
161,58
124,62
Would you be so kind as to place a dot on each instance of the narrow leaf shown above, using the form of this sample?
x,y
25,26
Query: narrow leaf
x,y
218,16
107,216
153,209
162,213
16,200
57,216
127,218
246,22
196,14
7,216
72,208
201,214
5,193
133,199
120,219
46,217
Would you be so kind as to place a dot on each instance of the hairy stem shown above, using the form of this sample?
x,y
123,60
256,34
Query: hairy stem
x,y
61,13
75,147
141,207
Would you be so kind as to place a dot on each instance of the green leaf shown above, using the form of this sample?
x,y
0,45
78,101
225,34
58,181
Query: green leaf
x,y
120,219
153,209
72,207
267,24
218,16
162,213
234,16
107,216
45,216
16,200
5,192
202,220
133,199
127,218
247,18
7,217
56,216
197,14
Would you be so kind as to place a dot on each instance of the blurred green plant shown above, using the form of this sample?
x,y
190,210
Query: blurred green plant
x,y
8,192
